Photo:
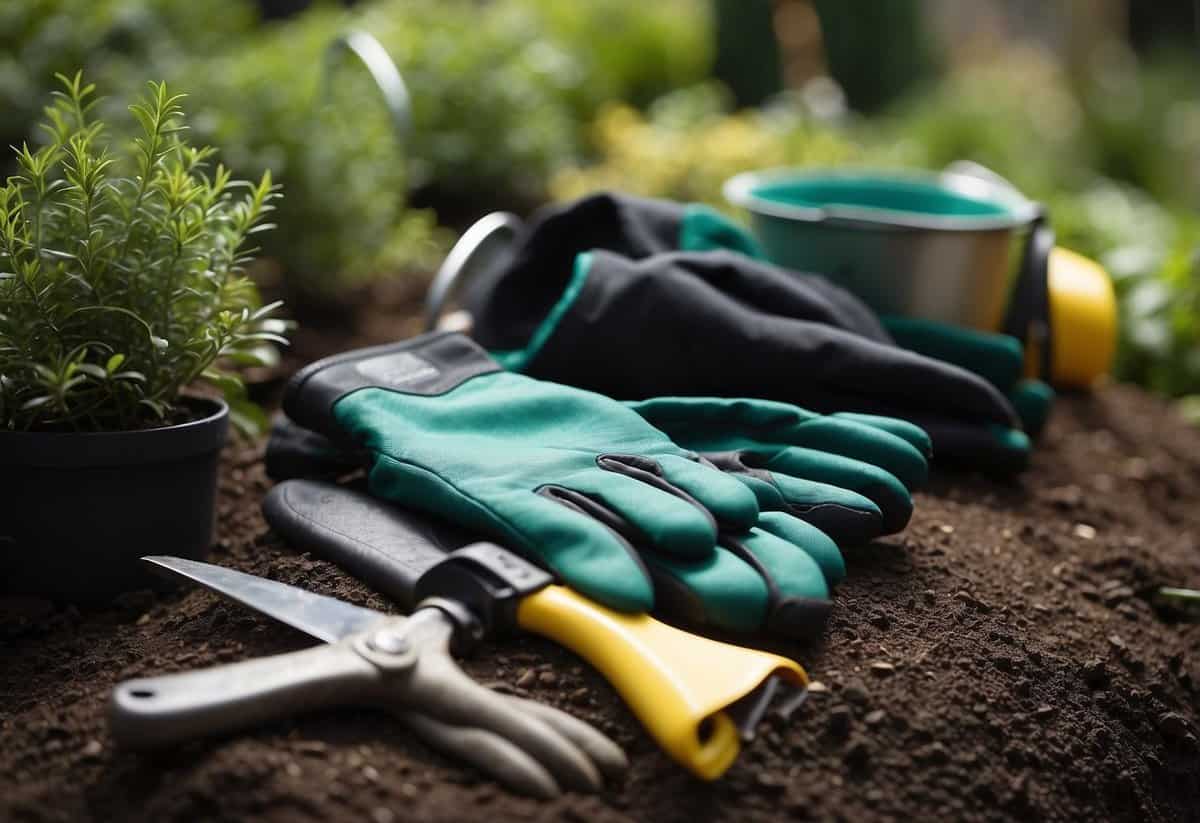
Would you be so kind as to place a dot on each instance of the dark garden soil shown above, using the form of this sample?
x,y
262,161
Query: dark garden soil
x,y
999,660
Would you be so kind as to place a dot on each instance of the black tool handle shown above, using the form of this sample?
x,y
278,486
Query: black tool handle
x,y
406,555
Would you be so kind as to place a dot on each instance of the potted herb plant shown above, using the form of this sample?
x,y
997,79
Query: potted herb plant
x,y
121,291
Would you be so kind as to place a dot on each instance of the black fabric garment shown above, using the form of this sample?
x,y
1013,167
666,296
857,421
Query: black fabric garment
x,y
507,304
714,323
651,321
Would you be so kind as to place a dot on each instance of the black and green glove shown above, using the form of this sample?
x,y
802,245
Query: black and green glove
x,y
849,475
597,295
570,478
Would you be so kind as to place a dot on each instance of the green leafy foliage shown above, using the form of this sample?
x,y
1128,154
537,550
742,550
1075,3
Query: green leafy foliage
x,y
502,95
687,145
121,271
503,91
279,102
1159,289
114,41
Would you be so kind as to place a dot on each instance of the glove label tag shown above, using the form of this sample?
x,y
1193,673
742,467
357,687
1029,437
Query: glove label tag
x,y
399,370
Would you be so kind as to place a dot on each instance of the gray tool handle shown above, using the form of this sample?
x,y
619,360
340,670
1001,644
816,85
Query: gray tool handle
x,y
157,711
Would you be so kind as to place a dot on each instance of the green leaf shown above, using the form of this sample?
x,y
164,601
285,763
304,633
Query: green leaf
x,y
264,356
92,370
36,402
114,363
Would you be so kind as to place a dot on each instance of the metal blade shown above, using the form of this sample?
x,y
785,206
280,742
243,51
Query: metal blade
x,y
325,618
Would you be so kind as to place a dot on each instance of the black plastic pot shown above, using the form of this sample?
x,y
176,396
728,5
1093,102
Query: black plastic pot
x,y
78,510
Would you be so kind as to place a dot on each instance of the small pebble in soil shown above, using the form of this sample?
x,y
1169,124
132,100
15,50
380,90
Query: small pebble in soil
x,y
1127,611
383,815
817,687
93,749
933,753
771,782
882,669
855,692
874,718
526,679
1118,595
972,601
1084,532
547,678
1045,712
312,748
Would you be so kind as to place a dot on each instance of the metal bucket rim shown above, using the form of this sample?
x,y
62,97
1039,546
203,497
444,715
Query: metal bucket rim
x,y
740,190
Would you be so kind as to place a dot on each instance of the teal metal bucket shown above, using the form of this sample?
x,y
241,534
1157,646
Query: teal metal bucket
x,y
944,247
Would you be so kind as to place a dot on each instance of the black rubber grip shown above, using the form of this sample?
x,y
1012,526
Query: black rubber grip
x,y
408,556
382,545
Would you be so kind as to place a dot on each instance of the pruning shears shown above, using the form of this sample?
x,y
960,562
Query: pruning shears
x,y
699,698
401,664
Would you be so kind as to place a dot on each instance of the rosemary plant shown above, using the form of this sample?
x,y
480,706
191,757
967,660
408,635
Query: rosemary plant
x,y
121,273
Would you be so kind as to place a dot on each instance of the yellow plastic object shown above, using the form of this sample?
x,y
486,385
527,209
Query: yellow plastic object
x,y
1083,320
677,684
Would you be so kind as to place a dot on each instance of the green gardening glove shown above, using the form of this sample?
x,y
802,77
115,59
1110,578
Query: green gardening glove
x,y
570,478
850,475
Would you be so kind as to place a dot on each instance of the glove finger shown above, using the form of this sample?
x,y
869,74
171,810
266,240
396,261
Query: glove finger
x,y
1032,399
849,518
752,582
490,753
815,543
580,540
727,499
720,590
994,449
868,444
715,424
917,437
650,517
998,358
798,604
603,752
871,481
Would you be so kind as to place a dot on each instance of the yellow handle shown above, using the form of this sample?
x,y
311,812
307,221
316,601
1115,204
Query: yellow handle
x,y
678,684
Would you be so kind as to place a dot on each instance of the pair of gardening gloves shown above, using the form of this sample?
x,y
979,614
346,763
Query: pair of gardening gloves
x,y
639,298
722,513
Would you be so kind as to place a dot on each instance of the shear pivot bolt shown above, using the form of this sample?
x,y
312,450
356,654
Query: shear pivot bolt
x,y
388,643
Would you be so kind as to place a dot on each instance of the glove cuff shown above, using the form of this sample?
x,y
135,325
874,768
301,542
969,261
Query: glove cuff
x,y
430,364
